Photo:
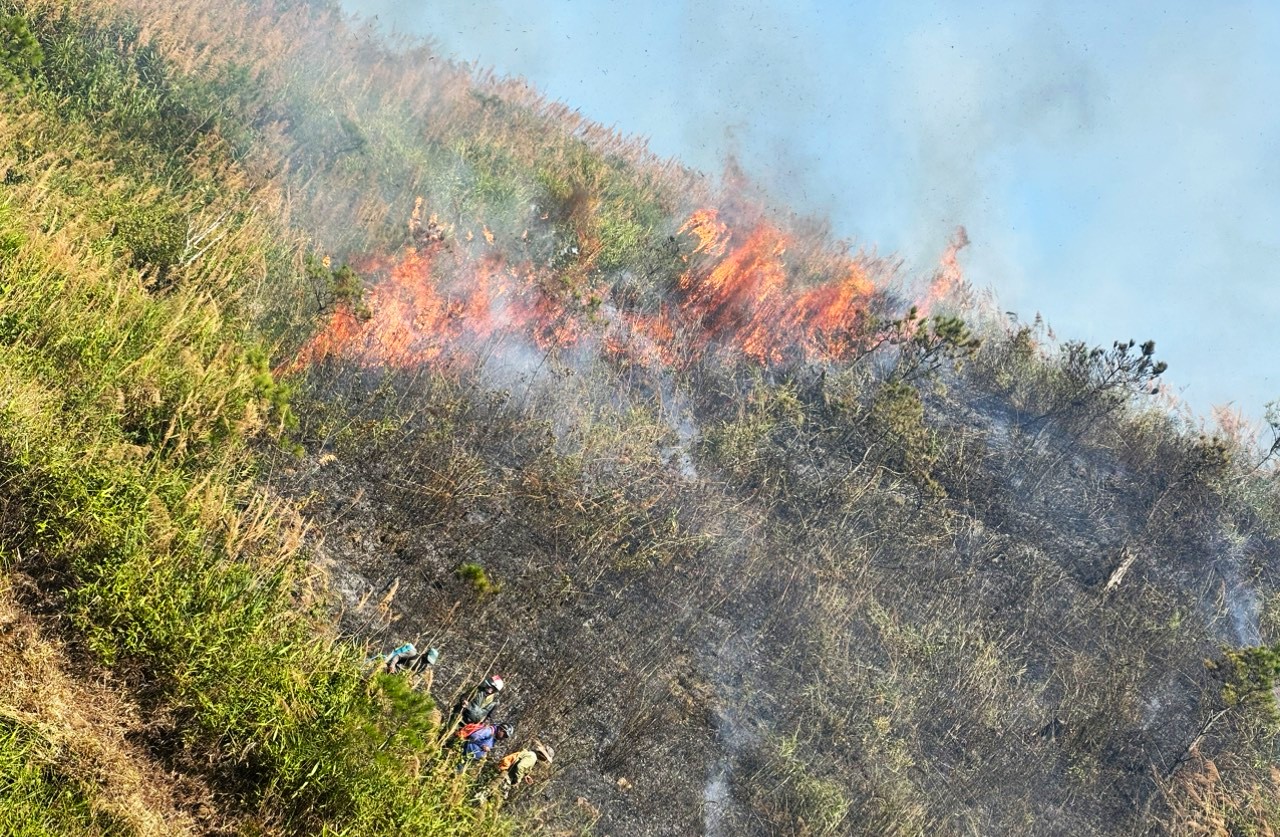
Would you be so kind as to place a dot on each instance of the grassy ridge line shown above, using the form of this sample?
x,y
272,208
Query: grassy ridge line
x,y
127,395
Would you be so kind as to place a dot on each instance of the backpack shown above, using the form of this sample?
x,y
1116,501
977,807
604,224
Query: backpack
x,y
468,729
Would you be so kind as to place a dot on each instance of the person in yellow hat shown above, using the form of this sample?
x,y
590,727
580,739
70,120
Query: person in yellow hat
x,y
516,768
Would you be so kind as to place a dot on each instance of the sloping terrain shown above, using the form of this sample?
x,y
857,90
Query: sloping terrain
x,y
68,750
314,346
1019,647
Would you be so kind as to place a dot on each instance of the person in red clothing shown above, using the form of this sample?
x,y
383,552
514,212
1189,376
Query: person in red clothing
x,y
478,739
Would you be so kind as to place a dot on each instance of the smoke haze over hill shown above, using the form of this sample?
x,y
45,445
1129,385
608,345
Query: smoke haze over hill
x,y
315,347
1112,166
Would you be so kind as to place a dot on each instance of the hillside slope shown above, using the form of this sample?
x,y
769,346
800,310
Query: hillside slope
x,y
765,535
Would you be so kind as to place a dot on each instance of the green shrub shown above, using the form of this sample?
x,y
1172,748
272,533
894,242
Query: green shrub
x,y
897,416
336,286
20,52
476,576
1249,676
154,234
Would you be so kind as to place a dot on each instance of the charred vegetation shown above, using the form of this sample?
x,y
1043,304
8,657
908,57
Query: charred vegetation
x,y
314,346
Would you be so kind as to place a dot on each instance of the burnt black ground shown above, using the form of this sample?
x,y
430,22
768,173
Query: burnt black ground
x,y
850,655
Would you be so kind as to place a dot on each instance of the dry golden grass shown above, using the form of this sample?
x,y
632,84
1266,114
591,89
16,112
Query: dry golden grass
x,y
1205,804
87,724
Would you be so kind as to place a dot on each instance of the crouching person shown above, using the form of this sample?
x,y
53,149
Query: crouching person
x,y
514,769
477,707
408,660
478,739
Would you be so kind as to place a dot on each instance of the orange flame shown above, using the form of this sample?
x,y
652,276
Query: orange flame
x,y
712,234
415,321
744,302
949,275
737,299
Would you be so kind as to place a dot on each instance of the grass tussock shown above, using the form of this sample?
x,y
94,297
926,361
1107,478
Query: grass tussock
x,y
69,763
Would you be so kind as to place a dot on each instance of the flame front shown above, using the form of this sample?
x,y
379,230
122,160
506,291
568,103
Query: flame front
x,y
738,299
414,321
711,233
745,302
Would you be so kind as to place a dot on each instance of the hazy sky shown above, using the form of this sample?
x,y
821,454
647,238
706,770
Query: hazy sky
x,y
1117,165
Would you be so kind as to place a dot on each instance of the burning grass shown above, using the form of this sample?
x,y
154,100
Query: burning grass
x,y
774,531
736,301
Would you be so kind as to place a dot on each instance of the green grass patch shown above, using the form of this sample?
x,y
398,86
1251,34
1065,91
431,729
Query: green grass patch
x,y
126,410
38,796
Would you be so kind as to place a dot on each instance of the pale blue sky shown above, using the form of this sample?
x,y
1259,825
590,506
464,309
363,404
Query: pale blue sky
x,y
1117,165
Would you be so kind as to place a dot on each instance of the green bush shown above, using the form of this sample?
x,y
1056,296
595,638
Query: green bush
x,y
476,576
336,286
154,235
20,52
1249,676
897,416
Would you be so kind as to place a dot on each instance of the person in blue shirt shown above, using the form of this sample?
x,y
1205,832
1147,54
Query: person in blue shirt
x,y
477,743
